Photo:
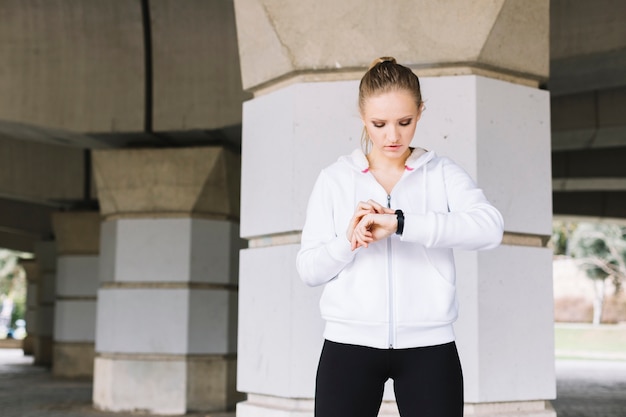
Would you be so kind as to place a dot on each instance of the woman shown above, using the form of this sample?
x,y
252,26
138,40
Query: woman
x,y
380,228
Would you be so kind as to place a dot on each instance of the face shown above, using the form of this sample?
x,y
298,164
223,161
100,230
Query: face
x,y
390,119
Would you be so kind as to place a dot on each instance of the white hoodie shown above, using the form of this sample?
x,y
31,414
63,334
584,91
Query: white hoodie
x,y
398,292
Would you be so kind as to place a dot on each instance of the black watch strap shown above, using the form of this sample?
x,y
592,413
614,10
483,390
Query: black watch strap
x,y
400,216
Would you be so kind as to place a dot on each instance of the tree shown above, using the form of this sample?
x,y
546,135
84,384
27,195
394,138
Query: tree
x,y
561,233
12,288
601,251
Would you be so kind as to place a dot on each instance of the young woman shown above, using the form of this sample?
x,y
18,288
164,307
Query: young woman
x,y
380,228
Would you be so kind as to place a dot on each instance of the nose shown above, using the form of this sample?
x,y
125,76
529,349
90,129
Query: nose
x,y
394,133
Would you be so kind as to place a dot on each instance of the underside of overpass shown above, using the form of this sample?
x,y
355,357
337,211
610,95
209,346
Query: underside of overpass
x,y
78,76
588,90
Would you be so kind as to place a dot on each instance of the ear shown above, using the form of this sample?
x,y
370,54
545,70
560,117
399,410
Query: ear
x,y
419,112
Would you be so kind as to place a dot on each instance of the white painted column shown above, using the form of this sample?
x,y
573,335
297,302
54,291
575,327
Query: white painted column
x,y
45,256
280,329
500,133
483,109
167,303
78,237
492,128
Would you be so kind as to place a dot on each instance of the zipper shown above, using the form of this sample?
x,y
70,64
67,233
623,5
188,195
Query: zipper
x,y
390,289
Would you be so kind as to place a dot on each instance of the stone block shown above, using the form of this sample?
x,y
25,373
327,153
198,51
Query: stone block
x,y
167,182
165,321
212,384
75,320
45,320
73,360
166,385
494,129
311,125
137,385
42,350
31,295
77,276
46,256
279,39
31,321
77,232
505,298
277,326
28,345
169,250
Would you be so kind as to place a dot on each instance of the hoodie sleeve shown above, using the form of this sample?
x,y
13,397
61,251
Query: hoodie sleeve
x,y
324,252
471,222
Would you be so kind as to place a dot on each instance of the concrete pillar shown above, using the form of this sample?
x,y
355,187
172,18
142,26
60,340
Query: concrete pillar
x,y
167,303
45,257
484,109
78,239
30,268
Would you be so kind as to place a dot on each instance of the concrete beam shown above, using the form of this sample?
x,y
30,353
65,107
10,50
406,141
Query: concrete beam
x,y
597,204
26,217
596,71
22,131
589,163
590,182
592,119
17,241
41,172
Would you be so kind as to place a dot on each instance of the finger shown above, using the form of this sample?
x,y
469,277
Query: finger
x,y
358,237
364,237
363,205
376,207
356,219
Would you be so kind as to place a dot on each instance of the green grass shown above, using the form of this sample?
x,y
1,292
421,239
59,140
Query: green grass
x,y
587,341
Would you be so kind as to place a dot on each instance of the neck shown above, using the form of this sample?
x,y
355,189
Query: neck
x,y
381,162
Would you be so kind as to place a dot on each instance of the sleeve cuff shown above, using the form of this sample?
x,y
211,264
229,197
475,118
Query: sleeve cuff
x,y
341,249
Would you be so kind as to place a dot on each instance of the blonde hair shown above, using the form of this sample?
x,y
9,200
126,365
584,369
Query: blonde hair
x,y
385,75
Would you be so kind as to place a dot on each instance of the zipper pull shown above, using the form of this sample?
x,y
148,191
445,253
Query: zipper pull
x,y
388,200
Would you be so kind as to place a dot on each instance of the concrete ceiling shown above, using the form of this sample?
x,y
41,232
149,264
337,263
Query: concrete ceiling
x,y
126,80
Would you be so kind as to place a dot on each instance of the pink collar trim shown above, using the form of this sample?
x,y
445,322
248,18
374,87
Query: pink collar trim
x,y
408,168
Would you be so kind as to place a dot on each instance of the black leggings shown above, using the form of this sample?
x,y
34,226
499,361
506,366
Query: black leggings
x,y
427,381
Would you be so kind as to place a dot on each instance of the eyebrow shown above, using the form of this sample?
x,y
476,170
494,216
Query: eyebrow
x,y
374,119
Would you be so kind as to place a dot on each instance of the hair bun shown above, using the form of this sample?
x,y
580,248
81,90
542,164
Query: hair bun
x,y
383,59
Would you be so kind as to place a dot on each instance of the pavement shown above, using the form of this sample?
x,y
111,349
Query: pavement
x,y
31,391
585,388
590,388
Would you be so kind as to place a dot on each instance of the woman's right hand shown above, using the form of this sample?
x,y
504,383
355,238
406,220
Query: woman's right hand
x,y
362,209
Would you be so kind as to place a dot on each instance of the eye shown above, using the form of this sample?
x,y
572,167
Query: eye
x,y
378,124
406,122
